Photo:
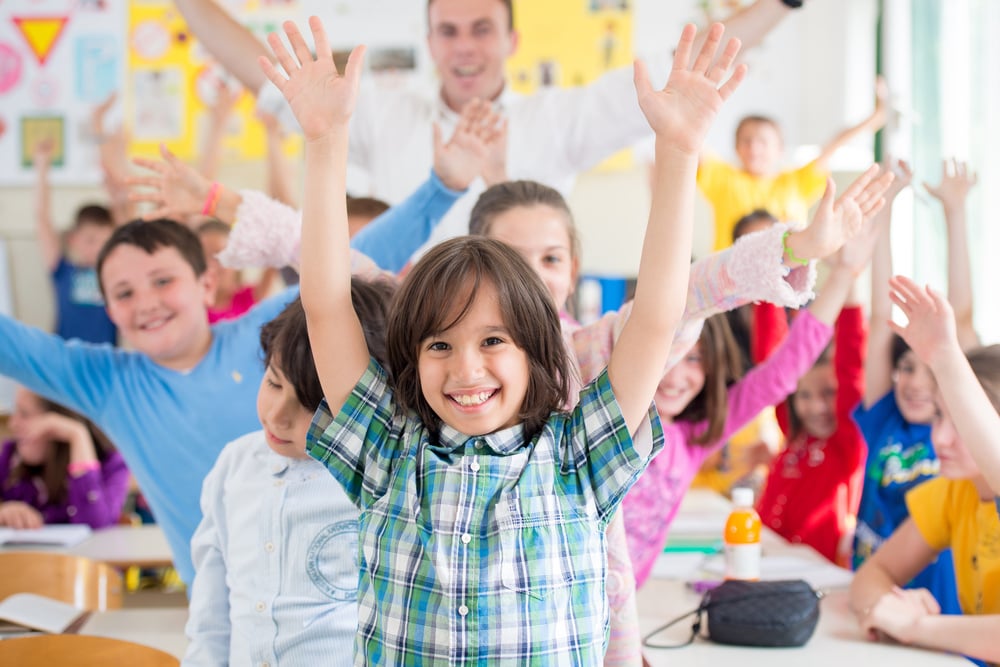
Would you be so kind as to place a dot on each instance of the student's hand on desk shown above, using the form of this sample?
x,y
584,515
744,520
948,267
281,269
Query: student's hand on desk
x,y
897,614
178,190
15,514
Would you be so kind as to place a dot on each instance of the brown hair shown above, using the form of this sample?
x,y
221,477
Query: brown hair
x,y
756,120
985,362
502,197
285,340
433,290
54,472
365,207
151,236
757,215
213,225
795,426
722,364
508,4
93,214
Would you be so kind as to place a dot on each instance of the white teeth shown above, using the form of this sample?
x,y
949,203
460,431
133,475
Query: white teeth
x,y
153,324
467,70
473,399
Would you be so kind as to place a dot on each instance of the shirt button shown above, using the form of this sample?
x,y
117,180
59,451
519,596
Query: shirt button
x,y
782,499
269,547
466,538
279,482
776,523
777,509
259,606
479,444
71,510
92,496
474,466
463,610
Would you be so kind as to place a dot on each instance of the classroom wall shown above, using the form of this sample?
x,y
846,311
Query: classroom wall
x,y
814,74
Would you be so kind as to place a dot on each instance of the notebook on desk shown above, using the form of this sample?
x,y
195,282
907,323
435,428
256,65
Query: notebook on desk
x,y
55,535
23,612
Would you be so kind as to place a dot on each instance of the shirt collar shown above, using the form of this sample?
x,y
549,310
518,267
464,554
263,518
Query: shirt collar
x,y
503,443
449,117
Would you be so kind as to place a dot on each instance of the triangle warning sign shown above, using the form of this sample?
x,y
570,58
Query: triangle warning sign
x,y
41,33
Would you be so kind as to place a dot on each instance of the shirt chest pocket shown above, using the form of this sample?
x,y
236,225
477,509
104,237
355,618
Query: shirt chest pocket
x,y
546,544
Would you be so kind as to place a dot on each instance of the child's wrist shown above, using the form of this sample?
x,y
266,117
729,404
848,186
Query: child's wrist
x,y
212,199
788,252
80,468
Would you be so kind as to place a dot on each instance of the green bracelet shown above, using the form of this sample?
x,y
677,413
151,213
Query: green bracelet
x,y
788,251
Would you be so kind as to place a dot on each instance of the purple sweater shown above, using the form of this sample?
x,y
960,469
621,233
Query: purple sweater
x,y
94,498
652,502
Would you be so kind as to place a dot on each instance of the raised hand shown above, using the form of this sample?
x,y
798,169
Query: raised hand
x,y
838,220
43,152
320,97
459,161
683,111
97,117
178,190
903,177
930,326
956,181
226,97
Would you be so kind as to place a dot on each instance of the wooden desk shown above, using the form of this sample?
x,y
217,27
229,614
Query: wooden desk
x,y
161,628
837,641
119,546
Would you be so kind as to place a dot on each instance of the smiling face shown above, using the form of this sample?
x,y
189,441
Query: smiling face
x,y
815,401
915,389
758,145
285,420
470,41
540,234
956,462
27,406
472,375
681,384
158,304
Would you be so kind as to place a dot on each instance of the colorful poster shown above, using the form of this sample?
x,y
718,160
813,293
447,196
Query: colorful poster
x,y
58,59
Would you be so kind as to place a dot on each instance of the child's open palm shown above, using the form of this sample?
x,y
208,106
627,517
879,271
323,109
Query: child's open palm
x,y
178,190
462,158
684,110
837,220
930,321
956,181
320,97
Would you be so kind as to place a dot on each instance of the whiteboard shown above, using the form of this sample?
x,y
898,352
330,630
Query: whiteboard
x,y
6,308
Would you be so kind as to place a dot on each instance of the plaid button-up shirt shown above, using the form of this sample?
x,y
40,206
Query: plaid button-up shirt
x,y
480,550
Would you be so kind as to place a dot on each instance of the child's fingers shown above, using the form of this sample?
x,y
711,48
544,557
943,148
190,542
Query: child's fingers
x,y
145,181
861,182
320,40
682,54
725,61
707,54
281,54
298,43
355,63
640,77
436,131
152,165
271,72
730,86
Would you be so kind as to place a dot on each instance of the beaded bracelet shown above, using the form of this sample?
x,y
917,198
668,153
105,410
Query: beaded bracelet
x,y
788,251
214,191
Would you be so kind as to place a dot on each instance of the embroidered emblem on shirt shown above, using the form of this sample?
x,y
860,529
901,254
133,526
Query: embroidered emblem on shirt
x,y
237,377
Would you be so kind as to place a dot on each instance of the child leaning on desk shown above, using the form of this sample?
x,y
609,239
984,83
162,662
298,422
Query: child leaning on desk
x,y
275,554
956,509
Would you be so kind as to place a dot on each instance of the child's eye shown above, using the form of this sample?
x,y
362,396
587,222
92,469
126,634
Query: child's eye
x,y
493,340
161,282
272,384
438,346
552,259
121,296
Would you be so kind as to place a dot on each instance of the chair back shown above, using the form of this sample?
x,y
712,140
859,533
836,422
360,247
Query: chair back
x,y
80,651
86,584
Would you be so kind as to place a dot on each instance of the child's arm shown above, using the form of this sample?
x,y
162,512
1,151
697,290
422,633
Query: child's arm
x,y
218,116
931,334
680,115
208,627
235,47
897,561
953,192
752,24
322,101
906,618
112,146
878,362
48,238
279,171
872,124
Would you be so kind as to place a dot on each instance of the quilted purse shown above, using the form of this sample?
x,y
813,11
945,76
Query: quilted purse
x,y
754,613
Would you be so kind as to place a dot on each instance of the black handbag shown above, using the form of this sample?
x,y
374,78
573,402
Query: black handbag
x,y
753,613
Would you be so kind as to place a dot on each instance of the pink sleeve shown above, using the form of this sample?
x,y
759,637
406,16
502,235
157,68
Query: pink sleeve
x,y
774,379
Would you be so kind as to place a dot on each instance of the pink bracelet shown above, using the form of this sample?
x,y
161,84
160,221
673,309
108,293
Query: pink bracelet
x,y
214,190
81,467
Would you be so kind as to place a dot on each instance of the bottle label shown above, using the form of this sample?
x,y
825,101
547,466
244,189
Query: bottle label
x,y
743,561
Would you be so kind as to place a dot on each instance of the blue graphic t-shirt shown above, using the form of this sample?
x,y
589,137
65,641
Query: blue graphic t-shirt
x,y
79,306
900,456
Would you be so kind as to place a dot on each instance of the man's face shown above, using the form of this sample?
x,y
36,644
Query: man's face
x,y
470,41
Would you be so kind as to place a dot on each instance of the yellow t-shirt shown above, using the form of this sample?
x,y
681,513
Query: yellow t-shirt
x,y
733,193
949,513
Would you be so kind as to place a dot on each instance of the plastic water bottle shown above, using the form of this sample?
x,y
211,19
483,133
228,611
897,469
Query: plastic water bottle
x,y
742,537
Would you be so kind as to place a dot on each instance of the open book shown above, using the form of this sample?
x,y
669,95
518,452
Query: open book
x,y
56,535
37,612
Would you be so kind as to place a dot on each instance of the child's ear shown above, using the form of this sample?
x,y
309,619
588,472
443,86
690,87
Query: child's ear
x,y
209,282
